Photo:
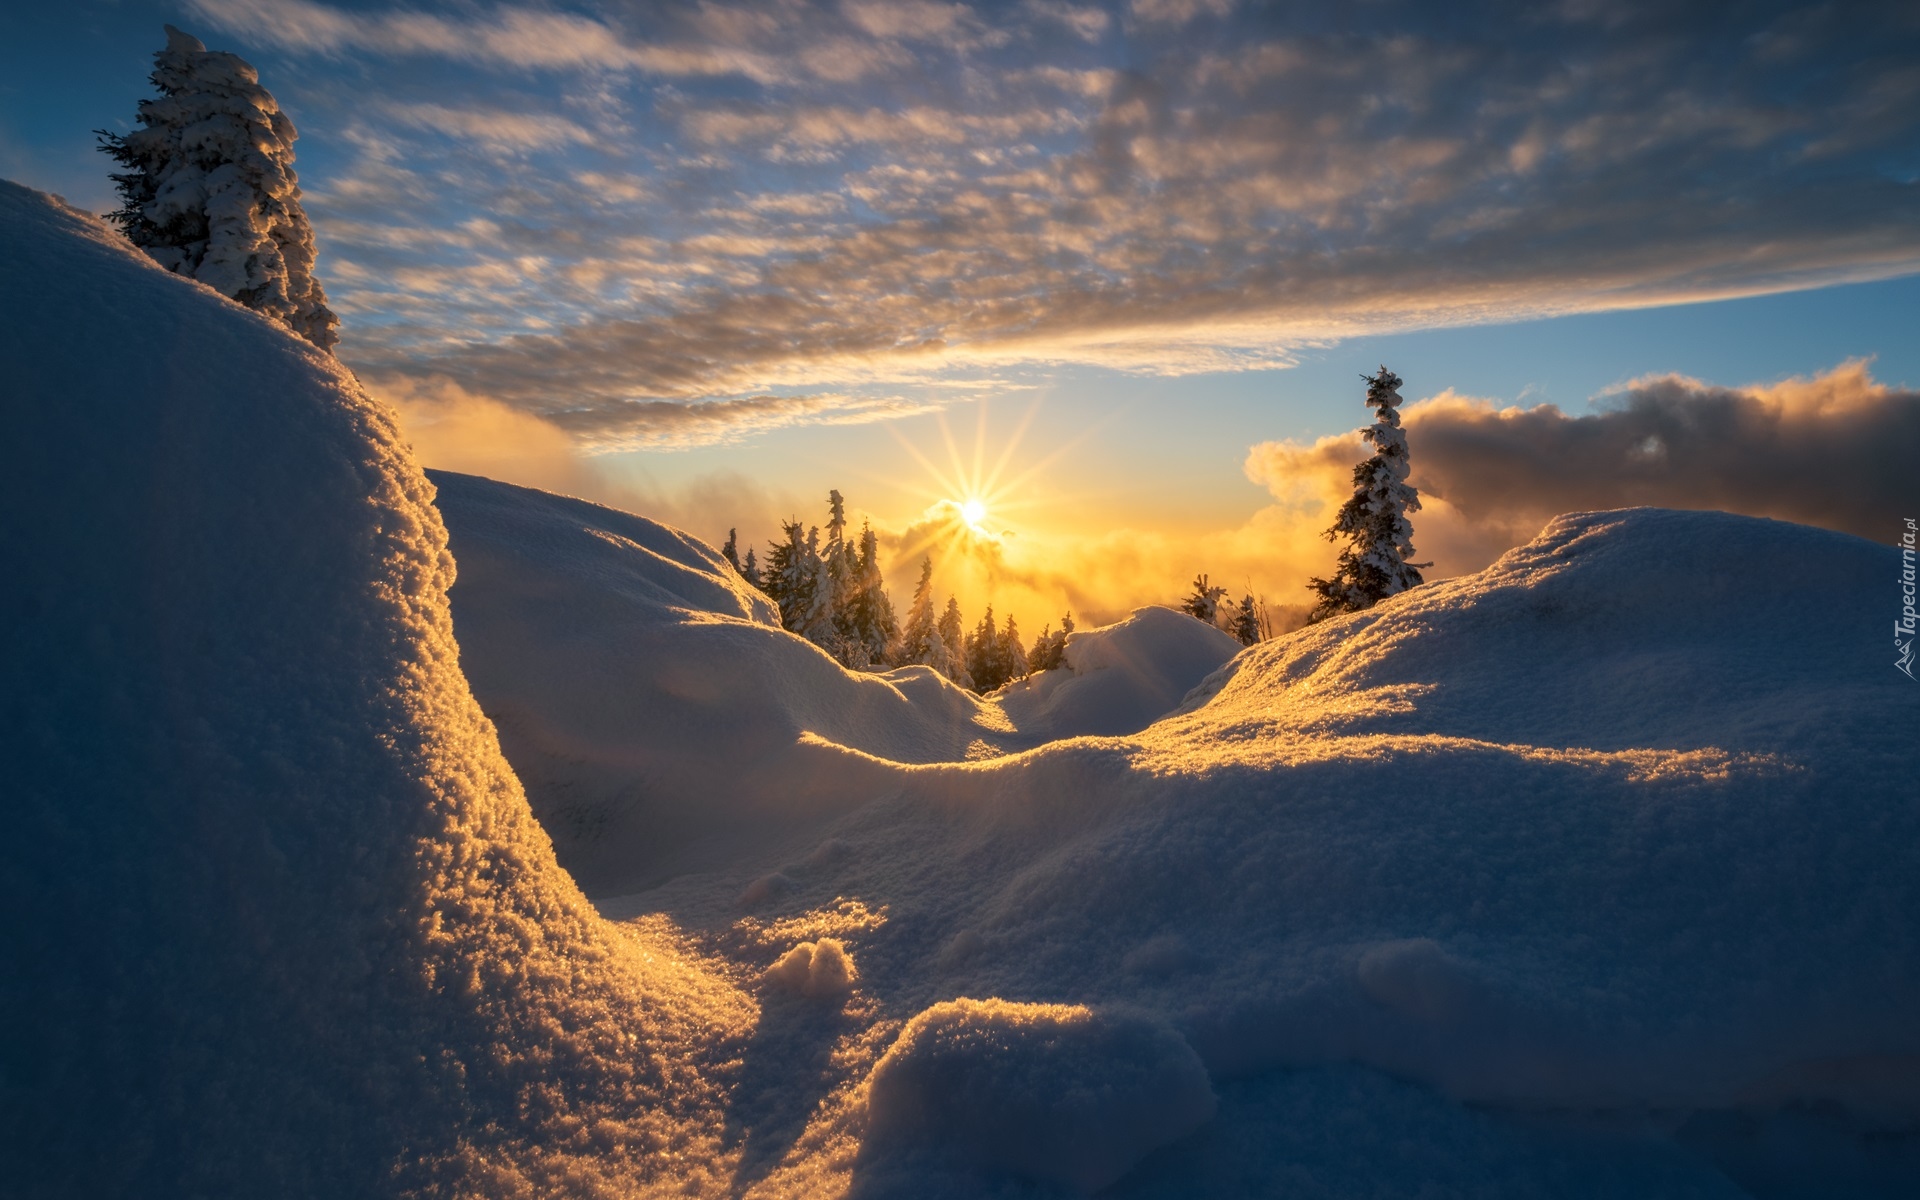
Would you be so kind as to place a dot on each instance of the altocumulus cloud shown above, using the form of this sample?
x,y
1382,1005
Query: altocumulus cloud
x,y
712,201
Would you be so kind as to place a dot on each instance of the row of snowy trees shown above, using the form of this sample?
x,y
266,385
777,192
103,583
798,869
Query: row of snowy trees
x,y
1244,621
829,591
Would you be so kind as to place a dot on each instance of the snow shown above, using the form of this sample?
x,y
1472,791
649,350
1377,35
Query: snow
x,y
1053,1092
1590,874
280,921
820,970
1119,678
661,718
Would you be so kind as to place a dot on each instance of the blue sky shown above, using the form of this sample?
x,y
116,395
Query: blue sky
x,y
713,259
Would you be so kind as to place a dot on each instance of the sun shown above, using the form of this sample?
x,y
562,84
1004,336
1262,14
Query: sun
x,y
973,512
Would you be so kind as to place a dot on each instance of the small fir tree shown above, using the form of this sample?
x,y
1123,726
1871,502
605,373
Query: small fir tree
x,y
1204,603
983,655
953,640
872,625
1010,654
209,190
1050,649
920,637
1378,561
750,570
731,551
1246,622
792,574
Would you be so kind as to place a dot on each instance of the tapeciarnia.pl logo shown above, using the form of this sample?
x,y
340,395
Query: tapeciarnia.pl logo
x,y
1903,628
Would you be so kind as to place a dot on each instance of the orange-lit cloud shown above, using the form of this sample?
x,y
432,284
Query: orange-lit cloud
x,y
1814,451
1817,451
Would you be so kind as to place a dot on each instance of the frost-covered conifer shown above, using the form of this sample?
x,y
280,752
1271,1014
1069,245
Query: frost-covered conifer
x,y
1246,622
792,569
953,638
983,655
750,570
1204,603
731,551
1011,655
1050,649
920,640
826,619
1378,561
872,624
209,190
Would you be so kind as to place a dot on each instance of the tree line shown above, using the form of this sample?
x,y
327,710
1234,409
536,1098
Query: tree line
x,y
829,590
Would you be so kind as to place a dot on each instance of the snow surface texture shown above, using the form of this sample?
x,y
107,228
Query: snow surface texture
x,y
1605,853
660,717
279,919
1589,875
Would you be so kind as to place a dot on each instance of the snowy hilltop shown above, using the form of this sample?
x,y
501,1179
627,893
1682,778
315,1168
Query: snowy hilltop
x,y
1591,874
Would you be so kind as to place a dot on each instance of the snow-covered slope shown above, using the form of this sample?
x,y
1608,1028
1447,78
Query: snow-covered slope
x,y
661,718
278,919
1614,840
1120,678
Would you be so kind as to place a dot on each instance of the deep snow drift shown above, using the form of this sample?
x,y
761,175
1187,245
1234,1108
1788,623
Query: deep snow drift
x,y
1589,875
279,921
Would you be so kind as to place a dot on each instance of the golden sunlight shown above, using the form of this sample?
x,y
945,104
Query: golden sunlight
x,y
973,512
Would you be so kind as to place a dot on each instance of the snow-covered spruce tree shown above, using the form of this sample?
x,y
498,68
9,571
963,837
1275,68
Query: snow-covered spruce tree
x,y
1246,622
920,640
1204,603
209,190
731,551
825,624
750,570
792,567
1378,561
1050,648
1011,654
871,625
983,655
953,638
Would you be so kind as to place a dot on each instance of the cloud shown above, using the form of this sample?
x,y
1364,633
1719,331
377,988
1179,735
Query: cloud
x,y
511,37
675,425
495,127
829,197
1176,12
1818,451
452,429
455,430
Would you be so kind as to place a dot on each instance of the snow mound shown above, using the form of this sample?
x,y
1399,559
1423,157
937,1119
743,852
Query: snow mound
x,y
279,919
656,711
1052,1092
1623,825
661,719
1120,678
819,970
1637,628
